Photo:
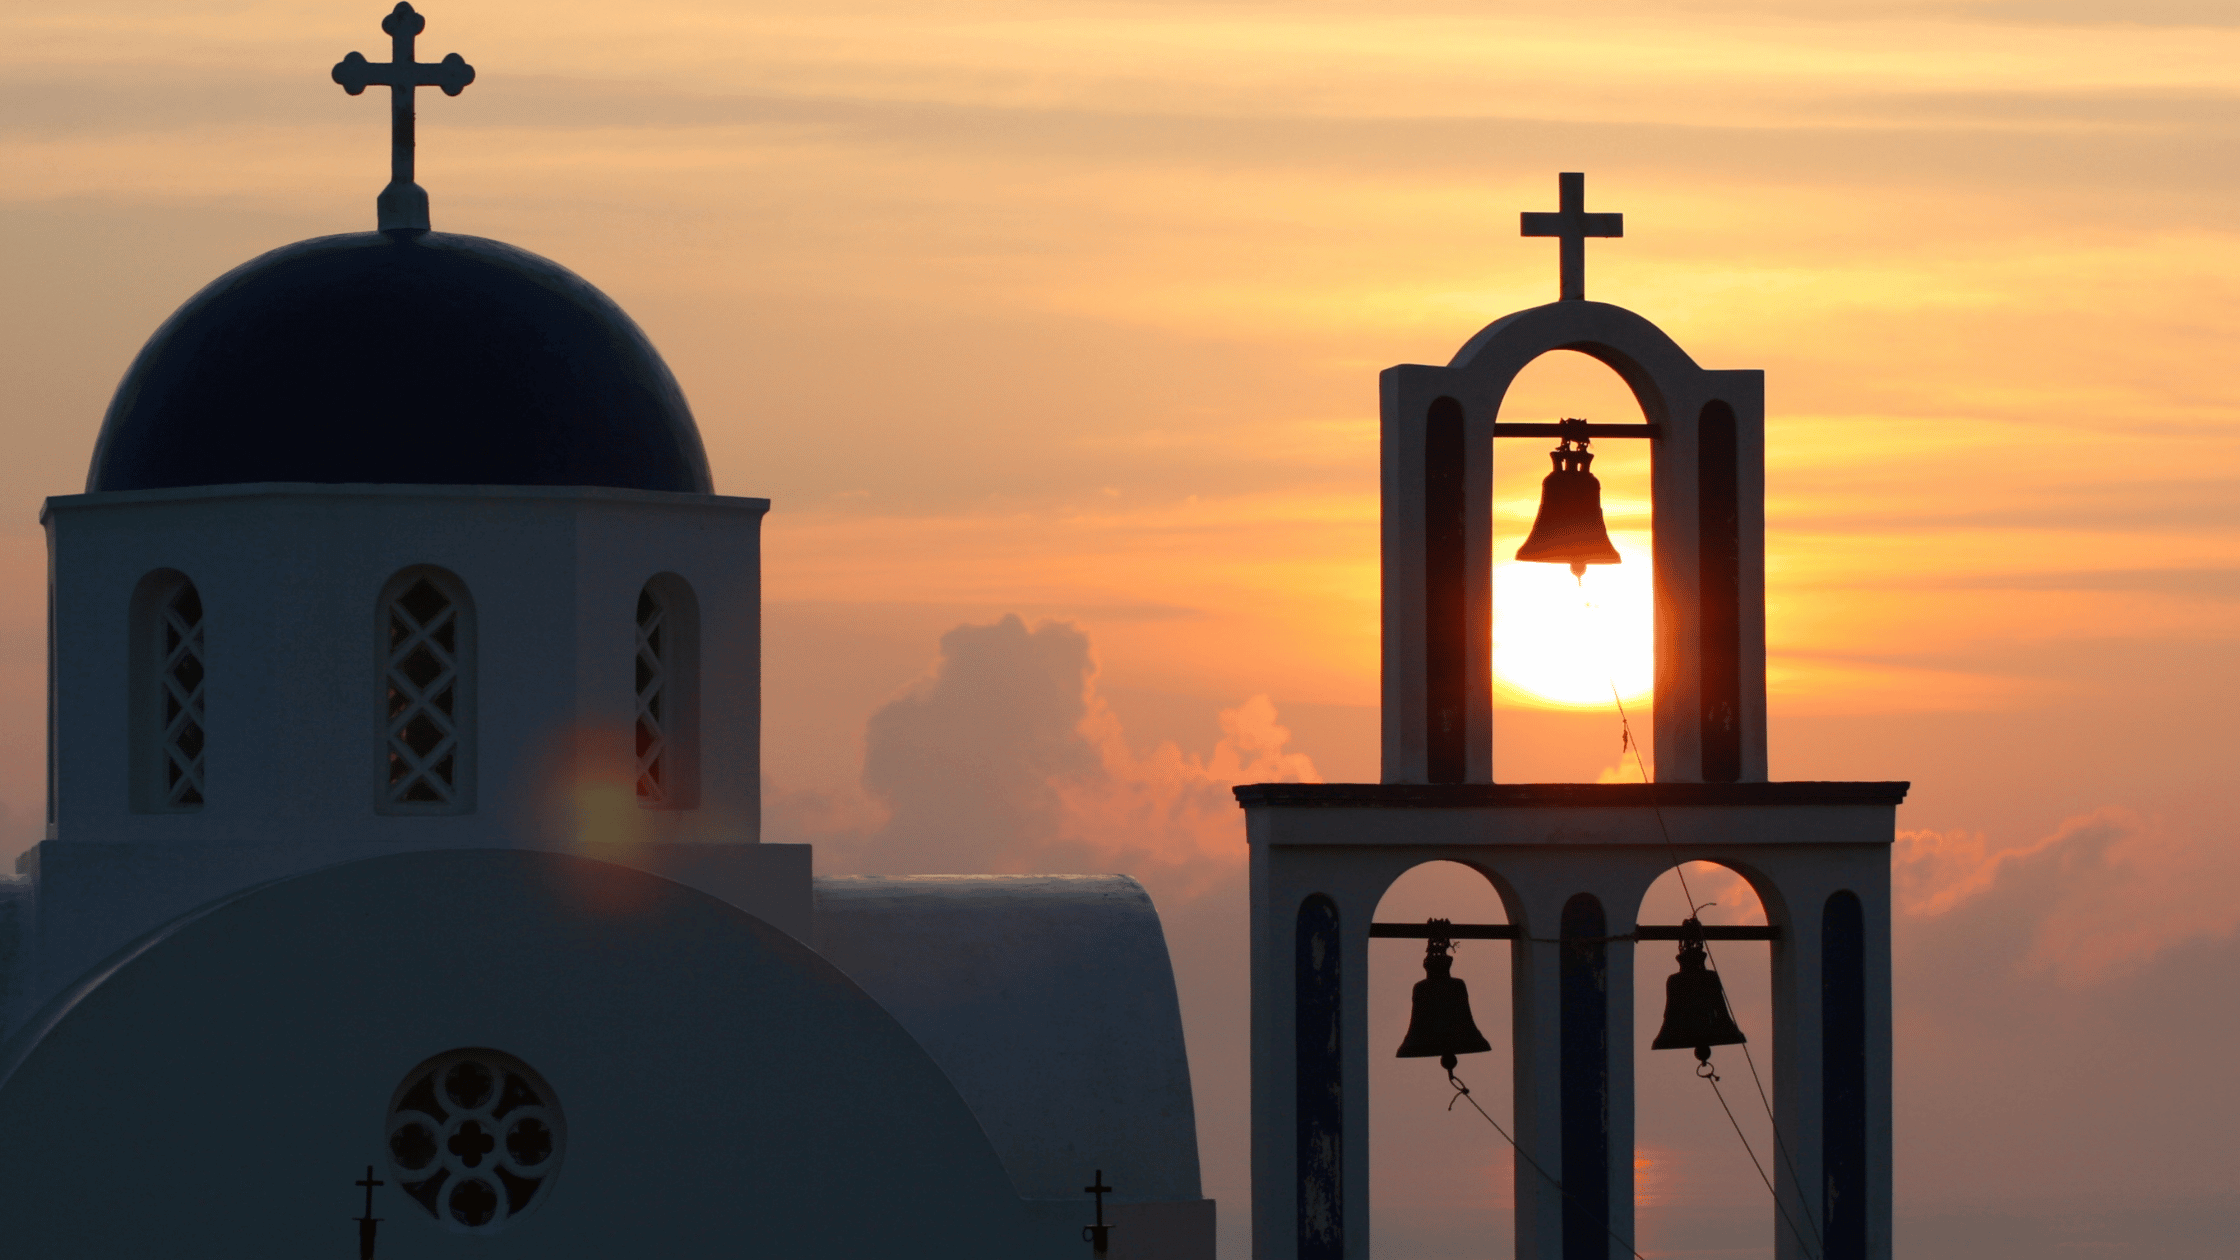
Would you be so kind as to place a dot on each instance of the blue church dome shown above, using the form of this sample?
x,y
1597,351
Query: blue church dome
x,y
400,358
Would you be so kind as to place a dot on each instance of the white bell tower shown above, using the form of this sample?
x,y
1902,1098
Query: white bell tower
x,y
1571,861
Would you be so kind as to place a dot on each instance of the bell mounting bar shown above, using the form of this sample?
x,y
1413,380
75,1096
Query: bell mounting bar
x,y
1508,932
1675,932
1579,430
1452,931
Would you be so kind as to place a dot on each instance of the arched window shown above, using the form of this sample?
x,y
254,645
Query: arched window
x,y
1319,1072
169,678
427,694
667,674
1583,1079
1843,1076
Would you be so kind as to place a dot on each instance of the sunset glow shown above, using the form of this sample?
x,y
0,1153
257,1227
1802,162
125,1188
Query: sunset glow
x,y
1569,643
1073,311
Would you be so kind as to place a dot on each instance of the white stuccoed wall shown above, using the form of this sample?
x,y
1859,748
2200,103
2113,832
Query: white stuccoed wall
x,y
290,576
1049,1000
726,1092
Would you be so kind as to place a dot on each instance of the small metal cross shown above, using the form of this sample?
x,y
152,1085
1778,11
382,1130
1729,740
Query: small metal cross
x,y
367,1222
1572,225
403,205
1099,1235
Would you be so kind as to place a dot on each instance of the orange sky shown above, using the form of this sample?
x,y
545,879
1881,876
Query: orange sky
x,y
1075,310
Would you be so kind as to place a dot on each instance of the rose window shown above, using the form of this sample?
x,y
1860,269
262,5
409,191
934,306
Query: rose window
x,y
474,1137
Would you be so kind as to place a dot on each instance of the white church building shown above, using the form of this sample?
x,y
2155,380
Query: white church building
x,y
403,780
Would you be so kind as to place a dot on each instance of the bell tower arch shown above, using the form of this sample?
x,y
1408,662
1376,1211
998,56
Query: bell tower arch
x,y
1706,430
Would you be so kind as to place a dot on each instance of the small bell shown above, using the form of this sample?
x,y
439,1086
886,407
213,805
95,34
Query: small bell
x,y
1439,1020
1695,1004
1569,528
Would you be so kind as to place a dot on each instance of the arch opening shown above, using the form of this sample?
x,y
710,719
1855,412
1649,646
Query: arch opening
x,y
1694,1185
1562,643
1583,1034
1319,1077
1719,591
1843,1076
1433,1173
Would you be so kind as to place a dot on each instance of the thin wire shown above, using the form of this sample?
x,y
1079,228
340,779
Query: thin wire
x,y
1679,868
1780,1147
1634,746
1713,1079
1462,1091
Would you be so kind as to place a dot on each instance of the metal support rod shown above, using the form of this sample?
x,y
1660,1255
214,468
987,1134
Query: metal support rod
x,y
1673,932
1577,430
1508,932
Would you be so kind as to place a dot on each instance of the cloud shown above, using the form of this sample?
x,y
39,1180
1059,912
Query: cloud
x,y
1169,818
968,760
2097,898
1004,758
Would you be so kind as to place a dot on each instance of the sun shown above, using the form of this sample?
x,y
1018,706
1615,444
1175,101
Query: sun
x,y
1564,643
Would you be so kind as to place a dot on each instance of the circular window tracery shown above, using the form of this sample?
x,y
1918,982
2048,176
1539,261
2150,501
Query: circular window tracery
x,y
475,1136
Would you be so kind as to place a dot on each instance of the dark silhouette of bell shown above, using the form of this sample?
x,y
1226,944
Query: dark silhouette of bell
x,y
1569,528
1439,1020
1695,1004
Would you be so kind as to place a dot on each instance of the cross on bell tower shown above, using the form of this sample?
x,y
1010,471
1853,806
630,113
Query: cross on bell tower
x,y
403,205
1572,225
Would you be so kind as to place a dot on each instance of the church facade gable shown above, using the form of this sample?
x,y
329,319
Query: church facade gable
x,y
702,1083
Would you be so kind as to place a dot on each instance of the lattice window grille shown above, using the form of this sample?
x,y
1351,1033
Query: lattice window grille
x,y
422,697
182,674
653,687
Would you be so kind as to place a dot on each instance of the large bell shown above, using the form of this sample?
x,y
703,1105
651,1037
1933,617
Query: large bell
x,y
1569,528
1439,1020
1695,1004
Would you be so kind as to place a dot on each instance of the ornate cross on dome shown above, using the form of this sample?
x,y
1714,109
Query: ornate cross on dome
x,y
403,206
1572,225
